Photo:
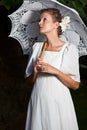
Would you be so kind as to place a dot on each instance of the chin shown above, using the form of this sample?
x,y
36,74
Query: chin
x,y
42,32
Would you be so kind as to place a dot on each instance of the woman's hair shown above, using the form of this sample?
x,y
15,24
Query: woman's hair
x,y
56,16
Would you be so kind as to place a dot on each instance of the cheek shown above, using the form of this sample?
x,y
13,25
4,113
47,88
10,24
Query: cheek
x,y
48,27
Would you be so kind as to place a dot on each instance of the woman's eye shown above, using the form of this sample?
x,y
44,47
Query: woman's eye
x,y
44,19
39,20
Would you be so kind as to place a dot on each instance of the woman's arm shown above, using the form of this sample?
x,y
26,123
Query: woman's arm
x,y
67,80
64,78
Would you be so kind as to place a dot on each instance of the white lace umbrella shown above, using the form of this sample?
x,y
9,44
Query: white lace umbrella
x,y
25,25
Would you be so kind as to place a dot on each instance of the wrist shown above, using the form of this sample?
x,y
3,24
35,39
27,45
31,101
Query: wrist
x,y
57,72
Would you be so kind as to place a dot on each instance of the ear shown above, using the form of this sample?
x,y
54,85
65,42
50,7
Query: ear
x,y
56,24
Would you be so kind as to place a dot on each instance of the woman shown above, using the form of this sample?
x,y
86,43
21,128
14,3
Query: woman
x,y
53,69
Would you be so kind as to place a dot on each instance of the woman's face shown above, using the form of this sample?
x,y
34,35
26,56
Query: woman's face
x,y
46,23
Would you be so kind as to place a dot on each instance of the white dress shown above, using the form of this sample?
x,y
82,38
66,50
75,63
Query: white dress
x,y
51,106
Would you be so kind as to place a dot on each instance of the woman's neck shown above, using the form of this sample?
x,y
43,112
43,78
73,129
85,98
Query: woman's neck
x,y
53,42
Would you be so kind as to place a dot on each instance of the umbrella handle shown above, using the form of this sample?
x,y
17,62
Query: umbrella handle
x,y
43,50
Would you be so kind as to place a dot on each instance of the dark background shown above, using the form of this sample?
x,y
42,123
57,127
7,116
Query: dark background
x,y
15,92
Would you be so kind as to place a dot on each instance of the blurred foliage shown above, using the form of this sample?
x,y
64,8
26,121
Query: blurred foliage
x,y
83,66
8,4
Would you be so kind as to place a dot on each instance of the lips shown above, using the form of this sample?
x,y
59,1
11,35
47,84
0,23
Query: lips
x,y
41,28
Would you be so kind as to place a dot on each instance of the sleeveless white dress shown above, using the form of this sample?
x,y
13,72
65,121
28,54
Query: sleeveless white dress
x,y
51,106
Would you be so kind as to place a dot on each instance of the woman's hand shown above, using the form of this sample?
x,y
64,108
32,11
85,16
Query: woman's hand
x,y
41,66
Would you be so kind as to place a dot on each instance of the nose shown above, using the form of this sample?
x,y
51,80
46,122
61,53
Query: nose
x,y
39,22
